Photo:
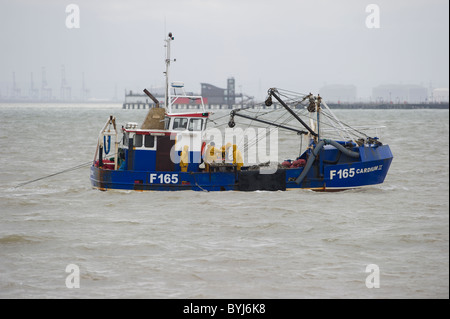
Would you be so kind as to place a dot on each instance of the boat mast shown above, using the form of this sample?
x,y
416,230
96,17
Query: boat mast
x,y
167,96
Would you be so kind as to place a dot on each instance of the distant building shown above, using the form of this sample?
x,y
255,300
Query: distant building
x,y
214,94
440,95
219,96
338,93
399,93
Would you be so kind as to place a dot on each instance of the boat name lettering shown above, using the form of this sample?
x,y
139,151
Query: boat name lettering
x,y
164,178
350,172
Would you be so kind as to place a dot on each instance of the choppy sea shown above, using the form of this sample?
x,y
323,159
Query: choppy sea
x,y
293,244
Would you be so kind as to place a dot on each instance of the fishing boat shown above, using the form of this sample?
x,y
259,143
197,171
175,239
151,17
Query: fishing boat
x,y
175,150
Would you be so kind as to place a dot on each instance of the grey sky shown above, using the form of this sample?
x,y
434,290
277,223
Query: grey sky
x,y
296,45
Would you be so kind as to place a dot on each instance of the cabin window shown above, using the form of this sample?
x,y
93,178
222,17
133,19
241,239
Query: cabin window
x,y
149,141
180,123
195,124
137,140
166,123
125,139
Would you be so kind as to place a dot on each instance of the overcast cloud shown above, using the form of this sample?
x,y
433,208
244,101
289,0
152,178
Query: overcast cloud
x,y
296,45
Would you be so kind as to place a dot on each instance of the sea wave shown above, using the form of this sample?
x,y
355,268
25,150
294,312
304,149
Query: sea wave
x,y
18,239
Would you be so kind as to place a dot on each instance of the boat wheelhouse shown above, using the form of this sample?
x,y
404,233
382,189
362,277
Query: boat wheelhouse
x,y
160,149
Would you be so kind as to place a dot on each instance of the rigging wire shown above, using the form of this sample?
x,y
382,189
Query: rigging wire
x,y
57,173
344,124
301,146
304,112
298,102
255,140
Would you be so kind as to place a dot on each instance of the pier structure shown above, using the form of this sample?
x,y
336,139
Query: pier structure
x,y
187,106
214,98
142,101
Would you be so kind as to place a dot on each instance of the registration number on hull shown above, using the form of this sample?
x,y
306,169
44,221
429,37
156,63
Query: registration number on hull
x,y
164,178
350,172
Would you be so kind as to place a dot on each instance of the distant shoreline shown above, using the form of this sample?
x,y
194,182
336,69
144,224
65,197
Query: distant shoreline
x,y
441,106
334,106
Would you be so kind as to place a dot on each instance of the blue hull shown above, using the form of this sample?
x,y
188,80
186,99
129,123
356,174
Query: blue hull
x,y
370,169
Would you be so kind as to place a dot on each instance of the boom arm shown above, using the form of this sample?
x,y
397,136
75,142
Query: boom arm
x,y
272,93
234,113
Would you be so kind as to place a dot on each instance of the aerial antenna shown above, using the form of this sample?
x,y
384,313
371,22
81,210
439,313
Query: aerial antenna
x,y
165,32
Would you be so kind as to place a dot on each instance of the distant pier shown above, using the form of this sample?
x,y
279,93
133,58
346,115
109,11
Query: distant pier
x,y
190,106
334,106
398,106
